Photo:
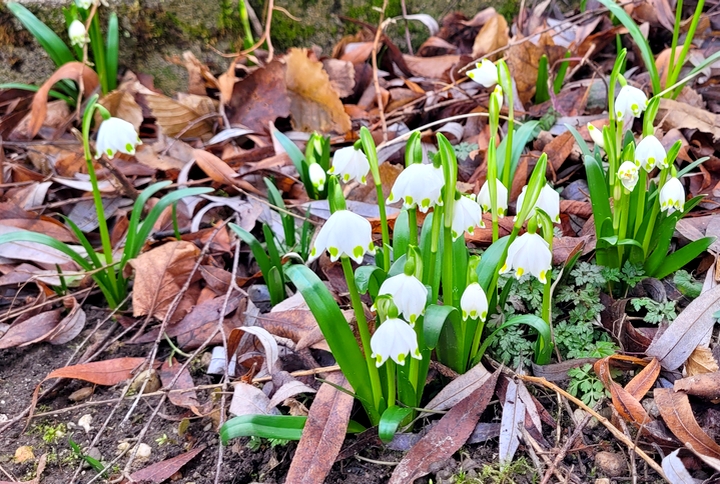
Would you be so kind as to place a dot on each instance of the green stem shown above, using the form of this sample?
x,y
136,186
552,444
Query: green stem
x,y
686,46
363,329
390,368
434,242
673,45
506,178
642,184
412,227
623,227
654,214
97,198
384,224
248,40
98,50
476,339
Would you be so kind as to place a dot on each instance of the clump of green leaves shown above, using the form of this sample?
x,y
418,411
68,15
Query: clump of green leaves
x,y
686,284
656,312
255,443
586,385
51,433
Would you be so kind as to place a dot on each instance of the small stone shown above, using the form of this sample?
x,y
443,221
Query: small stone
x,y
143,452
611,463
123,447
579,414
24,454
85,422
602,480
82,394
258,293
651,407
153,381
93,452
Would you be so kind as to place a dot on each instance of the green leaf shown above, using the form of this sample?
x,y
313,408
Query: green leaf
x,y
639,39
579,140
52,44
390,421
336,330
296,156
541,85
521,137
261,257
490,262
112,51
450,342
401,234
276,285
32,88
272,248
543,345
288,221
560,77
599,198
680,258
369,278
285,427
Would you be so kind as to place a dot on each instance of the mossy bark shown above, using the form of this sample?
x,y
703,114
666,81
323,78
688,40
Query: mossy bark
x,y
154,31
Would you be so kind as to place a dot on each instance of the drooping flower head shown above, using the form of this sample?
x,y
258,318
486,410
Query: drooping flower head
x,y
467,215
629,104
77,33
350,164
548,202
418,185
529,253
84,4
408,294
473,302
483,198
344,233
672,196
116,135
596,135
394,339
317,176
650,153
485,73
628,175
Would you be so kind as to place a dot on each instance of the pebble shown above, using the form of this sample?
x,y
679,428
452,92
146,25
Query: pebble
x,y
152,385
611,463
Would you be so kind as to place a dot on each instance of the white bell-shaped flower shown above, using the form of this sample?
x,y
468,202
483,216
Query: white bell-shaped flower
x,y
350,164
418,185
596,135
629,104
529,253
497,95
473,302
77,33
485,73
628,175
408,294
84,4
344,233
672,196
394,339
116,135
467,215
650,153
317,176
483,198
548,201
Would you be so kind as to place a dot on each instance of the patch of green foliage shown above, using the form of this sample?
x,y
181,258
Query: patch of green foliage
x,y
686,284
586,385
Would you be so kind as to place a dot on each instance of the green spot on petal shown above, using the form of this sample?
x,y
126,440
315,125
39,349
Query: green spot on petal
x,y
358,251
109,152
425,202
129,148
401,359
334,251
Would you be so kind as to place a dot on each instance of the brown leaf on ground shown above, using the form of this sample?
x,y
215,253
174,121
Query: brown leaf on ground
x,y
558,151
677,413
445,438
70,326
220,171
626,404
178,120
701,361
523,59
566,247
679,340
31,330
314,103
680,115
644,380
260,98
706,385
323,434
431,67
106,372
122,105
72,70
161,471
188,397
492,36
159,275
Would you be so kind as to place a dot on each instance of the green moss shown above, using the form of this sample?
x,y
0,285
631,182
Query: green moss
x,y
286,32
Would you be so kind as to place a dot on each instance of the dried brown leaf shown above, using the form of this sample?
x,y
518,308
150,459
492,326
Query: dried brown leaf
x,y
260,98
323,434
644,380
680,115
523,59
187,398
701,361
31,330
706,385
122,105
492,36
159,275
176,119
678,416
163,470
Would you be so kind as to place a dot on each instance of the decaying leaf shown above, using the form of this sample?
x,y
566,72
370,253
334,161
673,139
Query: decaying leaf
x,y
678,416
161,471
159,275
445,438
260,98
183,381
680,115
323,434
176,119
492,36
705,385
458,389
513,419
675,471
523,59
121,104
248,400
314,103
701,361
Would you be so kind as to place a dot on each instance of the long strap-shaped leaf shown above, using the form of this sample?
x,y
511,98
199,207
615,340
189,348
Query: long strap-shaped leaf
x,y
49,40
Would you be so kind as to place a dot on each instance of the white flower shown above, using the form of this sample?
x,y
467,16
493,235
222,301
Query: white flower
x,y
77,33
317,176
485,73
344,233
408,294
497,95
628,175
629,104
483,198
650,153
350,164
394,339
115,135
467,215
548,201
597,135
419,185
474,302
672,196
84,4
529,253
